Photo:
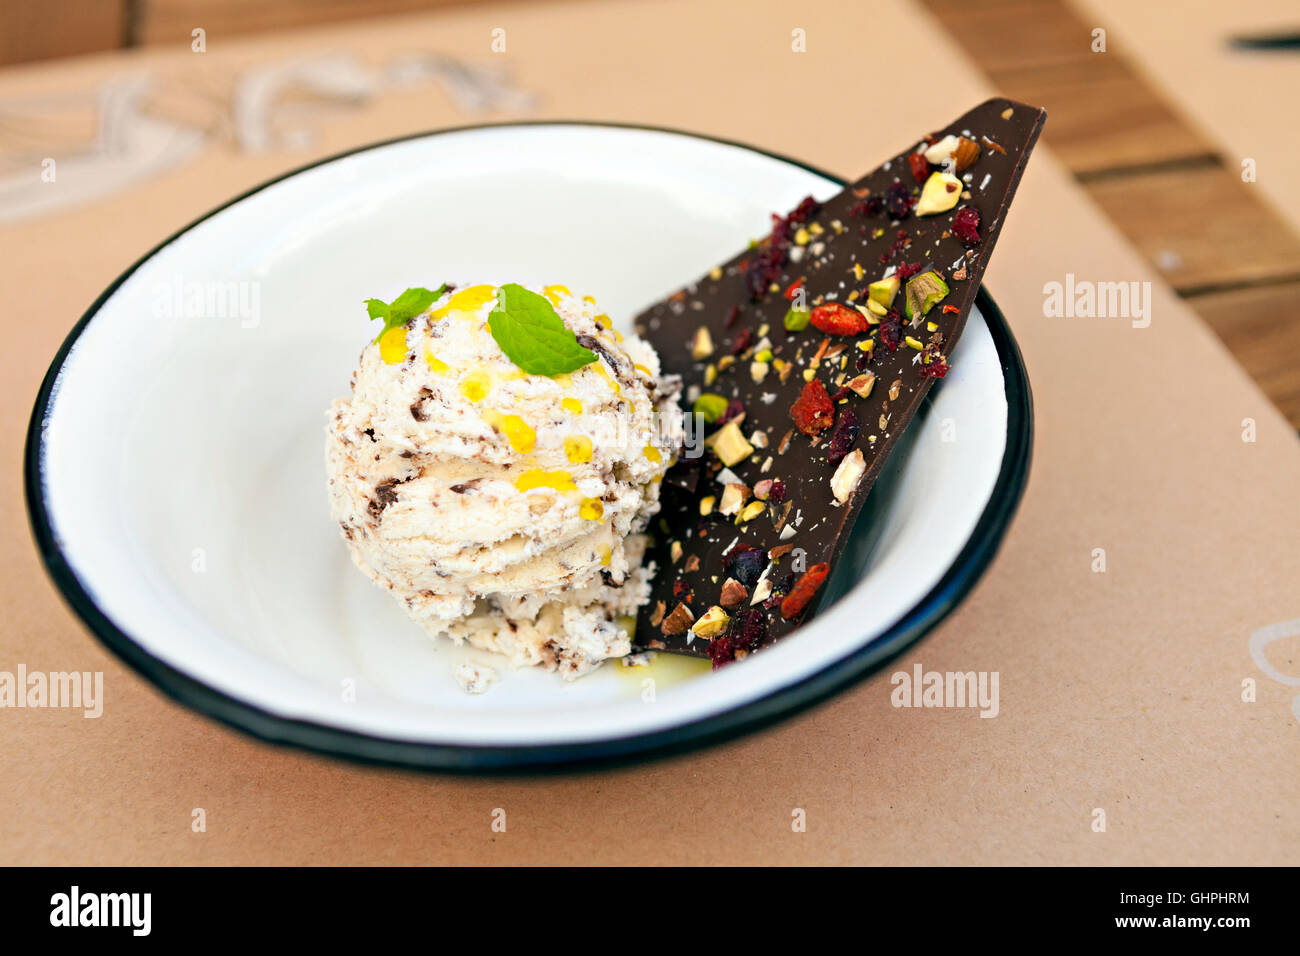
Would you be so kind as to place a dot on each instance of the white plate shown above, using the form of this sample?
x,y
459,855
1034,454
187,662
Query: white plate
x,y
175,461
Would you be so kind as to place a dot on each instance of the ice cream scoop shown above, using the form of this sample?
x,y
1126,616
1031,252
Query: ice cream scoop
x,y
502,506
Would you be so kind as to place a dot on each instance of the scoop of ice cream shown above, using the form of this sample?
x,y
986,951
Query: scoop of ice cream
x,y
501,507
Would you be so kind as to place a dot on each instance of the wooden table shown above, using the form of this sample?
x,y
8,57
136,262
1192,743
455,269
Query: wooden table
x,y
1169,188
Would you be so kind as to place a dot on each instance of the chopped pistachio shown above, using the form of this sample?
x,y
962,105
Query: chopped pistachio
x,y
711,623
796,320
710,406
940,193
863,384
924,292
706,505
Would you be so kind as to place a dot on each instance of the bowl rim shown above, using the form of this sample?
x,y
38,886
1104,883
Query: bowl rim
x,y
957,581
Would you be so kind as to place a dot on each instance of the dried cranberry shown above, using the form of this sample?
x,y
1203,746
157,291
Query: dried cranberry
x,y
773,253
721,651
743,341
844,436
891,330
777,491
901,241
920,168
747,629
807,208
862,361
898,200
745,565
735,408
733,314
907,270
871,206
966,226
933,364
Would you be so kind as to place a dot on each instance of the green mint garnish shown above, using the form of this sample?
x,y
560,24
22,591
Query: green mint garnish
x,y
533,336
402,309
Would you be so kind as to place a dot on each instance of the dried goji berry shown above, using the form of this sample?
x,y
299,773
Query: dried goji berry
x,y
835,318
793,288
951,309
920,168
812,411
802,593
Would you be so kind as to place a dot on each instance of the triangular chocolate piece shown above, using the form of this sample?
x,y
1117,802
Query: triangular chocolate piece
x,y
806,403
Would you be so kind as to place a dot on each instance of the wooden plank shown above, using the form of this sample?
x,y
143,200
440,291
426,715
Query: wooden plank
x,y
1017,35
38,31
1261,327
171,21
1203,228
1102,115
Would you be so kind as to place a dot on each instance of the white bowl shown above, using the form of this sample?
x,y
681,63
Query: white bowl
x,y
175,469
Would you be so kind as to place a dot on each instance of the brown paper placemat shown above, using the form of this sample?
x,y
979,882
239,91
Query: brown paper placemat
x,y
1120,691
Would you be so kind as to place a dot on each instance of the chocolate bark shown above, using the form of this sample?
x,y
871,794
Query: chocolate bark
x,y
806,386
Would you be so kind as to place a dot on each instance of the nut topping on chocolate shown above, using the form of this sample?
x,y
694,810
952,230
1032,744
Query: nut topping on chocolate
x,y
788,339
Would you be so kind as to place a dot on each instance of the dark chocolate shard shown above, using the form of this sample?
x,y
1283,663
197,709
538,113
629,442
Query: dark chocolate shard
x,y
931,224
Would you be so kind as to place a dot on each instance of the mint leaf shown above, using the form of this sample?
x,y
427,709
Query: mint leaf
x,y
402,309
412,302
533,336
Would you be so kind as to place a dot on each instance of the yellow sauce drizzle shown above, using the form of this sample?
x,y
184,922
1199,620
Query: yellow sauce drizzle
x,y
577,448
392,345
517,431
476,386
536,478
466,300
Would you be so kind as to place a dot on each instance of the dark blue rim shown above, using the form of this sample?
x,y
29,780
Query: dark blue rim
x,y
956,583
